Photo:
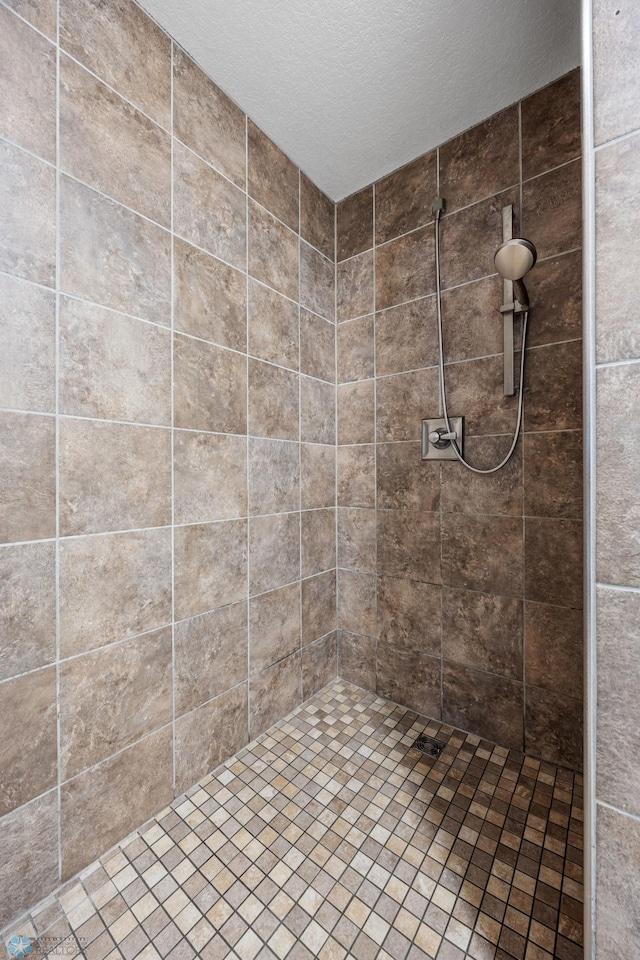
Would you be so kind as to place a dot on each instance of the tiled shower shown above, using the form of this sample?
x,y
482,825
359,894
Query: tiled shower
x,y
231,592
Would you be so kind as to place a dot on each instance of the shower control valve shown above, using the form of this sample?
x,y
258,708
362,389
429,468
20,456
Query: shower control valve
x,y
437,438
441,437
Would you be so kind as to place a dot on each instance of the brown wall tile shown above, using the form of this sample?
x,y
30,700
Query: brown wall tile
x,y
409,615
30,755
553,387
618,854
124,47
86,833
113,697
210,655
357,602
112,256
357,659
29,836
466,561
319,665
274,693
471,322
210,298
318,476
27,362
206,119
274,626
27,216
210,387
470,238
616,69
274,551
481,161
497,493
405,268
356,412
354,224
273,401
553,466
27,477
410,678
272,177
41,13
402,401
112,366
317,217
553,561
555,294
404,480
210,735
357,539
209,477
273,326
28,86
404,198
551,126
406,337
317,411
113,476
553,727
477,388
317,347
207,209
483,630
27,607
112,587
356,350
318,606
408,545
354,287
357,475
318,537
274,476
210,566
467,692
317,282
273,252
554,644
109,145
552,210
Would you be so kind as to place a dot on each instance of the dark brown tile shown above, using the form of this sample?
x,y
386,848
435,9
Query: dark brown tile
x,y
553,466
272,177
497,493
554,648
481,161
357,475
112,587
27,363
317,476
274,627
471,321
553,387
112,366
618,853
617,188
113,697
617,714
476,389
111,256
409,615
317,411
206,119
465,695
210,735
618,503
402,401
273,326
483,553
274,551
124,47
113,476
409,677
276,689
28,85
357,602
209,477
318,606
405,268
210,298
356,350
210,566
406,337
553,728
551,126
404,480
318,537
27,607
357,659
354,287
482,630
552,210
27,216
210,655
27,477
319,664
273,252
317,347
210,387
357,539
274,476
273,401
29,756
553,561
408,545
470,238
208,210
616,69
356,412
317,282
354,224
404,198
555,295
109,145
34,826
85,832
317,217
42,14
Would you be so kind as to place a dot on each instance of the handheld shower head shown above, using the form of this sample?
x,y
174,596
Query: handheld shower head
x,y
515,258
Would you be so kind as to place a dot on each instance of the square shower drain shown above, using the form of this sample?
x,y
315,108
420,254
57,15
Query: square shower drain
x,y
428,746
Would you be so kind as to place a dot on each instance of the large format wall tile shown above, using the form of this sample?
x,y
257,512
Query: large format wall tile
x,y
27,477
27,361
354,224
27,607
210,297
317,282
357,609
354,287
210,655
273,252
209,735
616,69
357,659
319,664
29,756
317,217
553,727
618,854
318,606
209,476
481,161
273,326
552,210
470,238
317,475
274,624
27,216
41,13
554,648
277,688
274,551
404,198
274,476
408,545
551,126
466,694
317,346
356,350
318,541
210,566
553,561
405,268
409,614
409,677
273,402
555,289
29,836
210,387
272,178
317,411
482,630
466,562
406,337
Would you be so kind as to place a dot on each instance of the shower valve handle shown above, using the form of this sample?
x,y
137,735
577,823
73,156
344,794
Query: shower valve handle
x,y
439,436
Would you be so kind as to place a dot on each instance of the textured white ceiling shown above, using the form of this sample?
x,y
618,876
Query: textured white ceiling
x,y
352,89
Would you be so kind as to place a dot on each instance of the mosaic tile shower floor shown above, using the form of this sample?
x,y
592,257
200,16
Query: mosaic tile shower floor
x,y
330,837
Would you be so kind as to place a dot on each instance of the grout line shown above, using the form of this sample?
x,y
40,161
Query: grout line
x,y
172,401
57,458
248,471
300,624
375,440
616,140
